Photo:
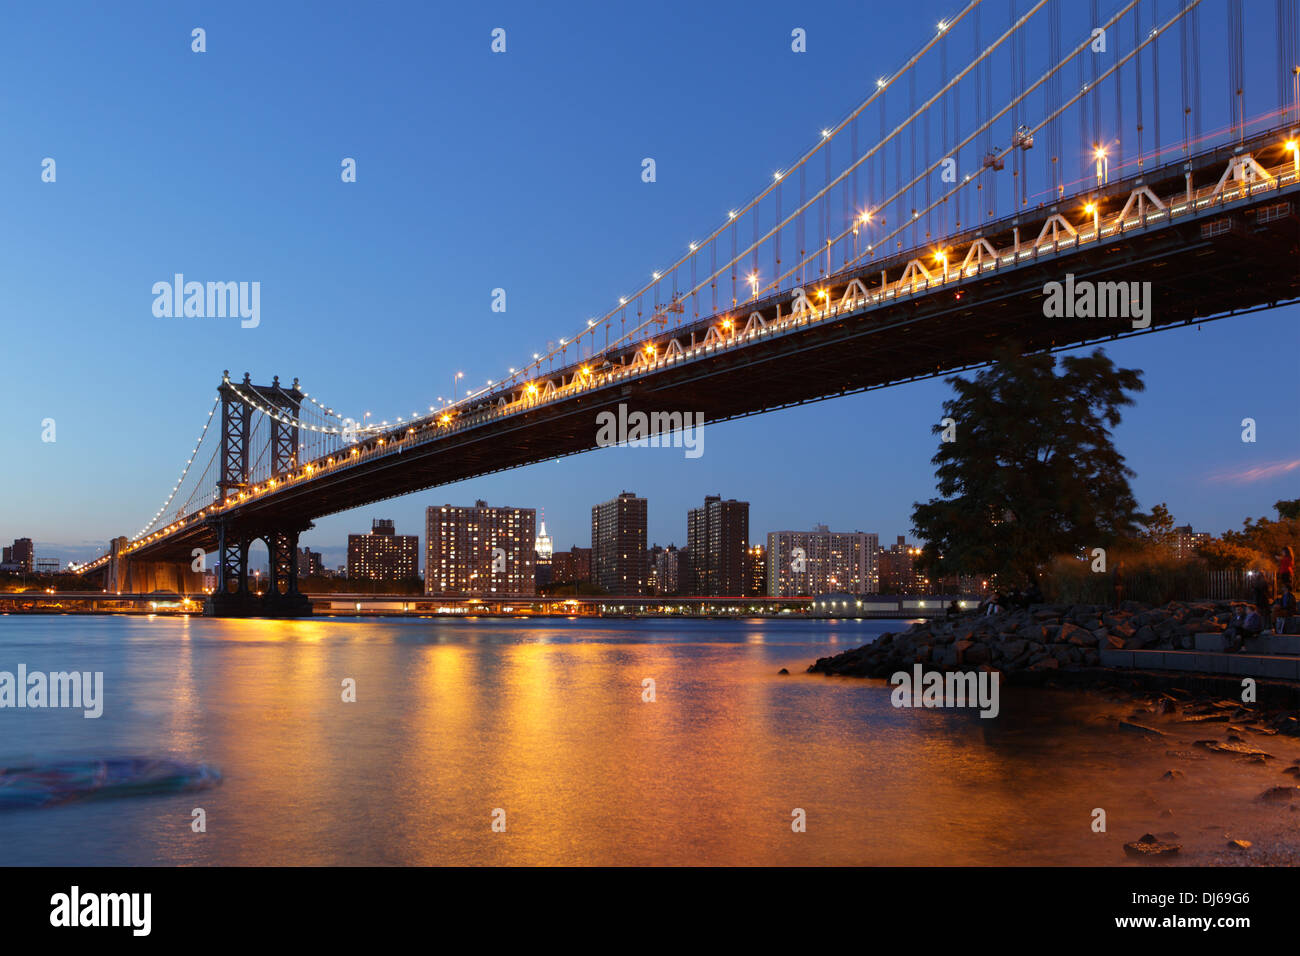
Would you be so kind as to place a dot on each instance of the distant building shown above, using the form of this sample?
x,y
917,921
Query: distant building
x,y
543,551
1186,541
756,571
571,567
717,536
667,571
21,554
618,552
898,571
821,561
383,555
480,552
309,563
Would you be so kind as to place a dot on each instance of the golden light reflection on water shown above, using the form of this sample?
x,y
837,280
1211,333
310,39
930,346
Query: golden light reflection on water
x,y
547,722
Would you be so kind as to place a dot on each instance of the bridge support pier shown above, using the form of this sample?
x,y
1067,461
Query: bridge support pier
x,y
233,597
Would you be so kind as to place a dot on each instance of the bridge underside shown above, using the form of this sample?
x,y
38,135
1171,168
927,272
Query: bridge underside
x,y
1237,258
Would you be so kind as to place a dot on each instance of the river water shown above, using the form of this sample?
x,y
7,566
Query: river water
x,y
545,721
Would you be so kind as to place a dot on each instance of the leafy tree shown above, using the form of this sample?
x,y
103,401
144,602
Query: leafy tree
x,y
1288,509
1033,472
1267,537
1220,555
1158,527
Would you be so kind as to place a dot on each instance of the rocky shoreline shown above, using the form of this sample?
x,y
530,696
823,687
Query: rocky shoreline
x,y
1042,638
1198,720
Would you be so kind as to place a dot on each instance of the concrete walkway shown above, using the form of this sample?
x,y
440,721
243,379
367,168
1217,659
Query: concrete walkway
x,y
1245,664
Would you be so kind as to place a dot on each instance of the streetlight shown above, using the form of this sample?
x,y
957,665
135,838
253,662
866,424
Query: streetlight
x,y
1103,165
454,379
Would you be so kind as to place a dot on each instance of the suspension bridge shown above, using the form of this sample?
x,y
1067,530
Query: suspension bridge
x,y
914,238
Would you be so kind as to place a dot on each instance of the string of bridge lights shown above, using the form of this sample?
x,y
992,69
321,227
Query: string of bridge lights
x,y
175,488
826,136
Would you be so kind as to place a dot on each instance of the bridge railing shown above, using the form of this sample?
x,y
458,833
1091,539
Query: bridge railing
x,y
856,297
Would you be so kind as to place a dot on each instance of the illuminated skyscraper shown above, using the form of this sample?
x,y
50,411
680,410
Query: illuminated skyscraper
x,y
618,545
480,552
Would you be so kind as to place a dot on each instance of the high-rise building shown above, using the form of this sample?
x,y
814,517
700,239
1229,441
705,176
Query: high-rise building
x,y
667,571
756,571
309,563
480,552
821,561
572,566
1186,541
898,571
22,554
543,551
618,553
383,555
717,536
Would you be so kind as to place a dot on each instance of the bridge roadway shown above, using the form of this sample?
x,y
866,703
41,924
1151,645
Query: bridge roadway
x,y
1220,252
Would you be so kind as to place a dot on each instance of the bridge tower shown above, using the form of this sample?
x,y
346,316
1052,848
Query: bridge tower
x,y
236,534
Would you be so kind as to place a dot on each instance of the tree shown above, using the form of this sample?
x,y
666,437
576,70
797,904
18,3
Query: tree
x,y
1288,510
1267,537
1033,472
1220,555
1158,528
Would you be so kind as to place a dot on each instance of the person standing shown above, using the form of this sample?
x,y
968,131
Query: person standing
x,y
1286,567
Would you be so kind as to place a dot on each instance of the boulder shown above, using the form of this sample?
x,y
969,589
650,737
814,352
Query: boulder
x,y
1148,845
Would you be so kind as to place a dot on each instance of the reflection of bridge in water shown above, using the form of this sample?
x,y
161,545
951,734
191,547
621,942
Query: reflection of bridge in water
x,y
1209,222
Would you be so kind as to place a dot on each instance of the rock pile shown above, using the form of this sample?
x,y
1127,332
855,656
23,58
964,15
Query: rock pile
x,y
1043,637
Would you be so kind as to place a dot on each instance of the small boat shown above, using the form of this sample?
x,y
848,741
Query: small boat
x,y
44,785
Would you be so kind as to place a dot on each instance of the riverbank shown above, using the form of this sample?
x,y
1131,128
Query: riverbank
x,y
1197,725
1042,639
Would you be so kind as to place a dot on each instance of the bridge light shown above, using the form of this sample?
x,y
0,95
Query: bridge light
x,y
726,323
880,83
731,214
826,134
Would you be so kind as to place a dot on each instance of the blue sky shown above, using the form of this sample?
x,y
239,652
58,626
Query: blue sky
x,y
479,171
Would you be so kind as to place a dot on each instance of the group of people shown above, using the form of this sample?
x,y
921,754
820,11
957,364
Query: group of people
x,y
1017,600
1252,620
1247,621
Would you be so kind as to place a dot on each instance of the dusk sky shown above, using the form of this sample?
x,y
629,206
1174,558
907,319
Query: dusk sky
x,y
478,171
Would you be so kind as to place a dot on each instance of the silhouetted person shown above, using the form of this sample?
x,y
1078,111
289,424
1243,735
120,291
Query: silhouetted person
x,y
1246,623
1286,568
953,609
1285,605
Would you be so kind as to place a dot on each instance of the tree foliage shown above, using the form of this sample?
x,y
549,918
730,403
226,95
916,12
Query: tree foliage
x,y
1033,471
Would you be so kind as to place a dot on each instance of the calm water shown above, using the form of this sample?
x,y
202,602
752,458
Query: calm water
x,y
545,720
